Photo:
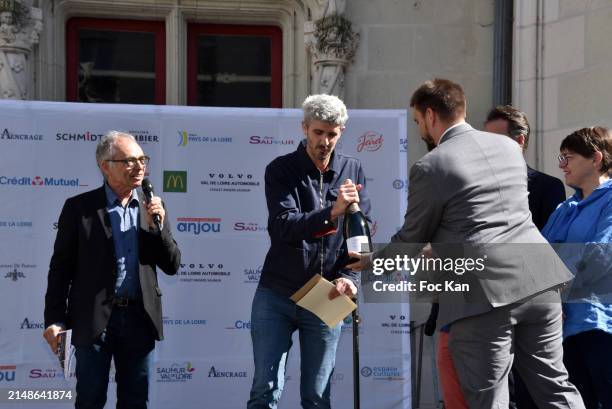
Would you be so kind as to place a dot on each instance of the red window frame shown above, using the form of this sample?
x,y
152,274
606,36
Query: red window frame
x,y
276,51
75,24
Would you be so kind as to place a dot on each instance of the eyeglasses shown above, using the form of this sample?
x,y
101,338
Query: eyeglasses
x,y
131,162
564,159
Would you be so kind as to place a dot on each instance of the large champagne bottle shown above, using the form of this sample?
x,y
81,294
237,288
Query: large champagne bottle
x,y
356,231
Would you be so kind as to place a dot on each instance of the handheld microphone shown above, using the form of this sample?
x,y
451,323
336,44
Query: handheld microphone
x,y
147,189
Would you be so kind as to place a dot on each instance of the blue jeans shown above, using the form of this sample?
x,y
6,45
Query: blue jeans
x,y
274,318
129,339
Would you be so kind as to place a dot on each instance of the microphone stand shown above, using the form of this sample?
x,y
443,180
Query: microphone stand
x,y
356,389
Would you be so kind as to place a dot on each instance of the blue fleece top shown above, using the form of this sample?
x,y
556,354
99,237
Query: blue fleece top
x,y
588,221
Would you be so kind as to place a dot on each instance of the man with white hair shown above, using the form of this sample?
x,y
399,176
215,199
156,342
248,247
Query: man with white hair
x,y
102,280
307,193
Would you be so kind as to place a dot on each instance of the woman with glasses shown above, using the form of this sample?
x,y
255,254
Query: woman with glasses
x,y
585,221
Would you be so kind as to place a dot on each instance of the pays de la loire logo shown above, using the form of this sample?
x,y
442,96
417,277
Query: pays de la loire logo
x,y
370,141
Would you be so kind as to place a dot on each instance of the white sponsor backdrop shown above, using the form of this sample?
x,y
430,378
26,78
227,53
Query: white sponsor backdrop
x,y
47,155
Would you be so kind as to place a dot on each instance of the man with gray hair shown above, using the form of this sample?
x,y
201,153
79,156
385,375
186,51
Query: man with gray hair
x,y
307,193
102,279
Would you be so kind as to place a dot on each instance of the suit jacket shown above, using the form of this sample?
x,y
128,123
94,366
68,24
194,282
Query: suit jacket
x,y
545,194
468,197
83,268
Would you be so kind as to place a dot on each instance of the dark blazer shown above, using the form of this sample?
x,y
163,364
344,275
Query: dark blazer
x,y
83,268
545,194
300,199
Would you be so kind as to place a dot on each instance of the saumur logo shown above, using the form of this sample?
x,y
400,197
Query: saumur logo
x,y
175,181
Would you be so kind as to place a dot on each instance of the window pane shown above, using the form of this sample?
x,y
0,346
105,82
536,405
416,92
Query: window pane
x,y
234,71
116,66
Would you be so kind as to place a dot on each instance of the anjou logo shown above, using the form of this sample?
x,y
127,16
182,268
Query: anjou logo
x,y
175,181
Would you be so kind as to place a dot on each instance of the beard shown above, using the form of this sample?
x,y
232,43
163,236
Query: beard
x,y
322,153
429,142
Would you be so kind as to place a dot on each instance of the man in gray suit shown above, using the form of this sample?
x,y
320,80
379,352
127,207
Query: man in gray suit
x,y
469,197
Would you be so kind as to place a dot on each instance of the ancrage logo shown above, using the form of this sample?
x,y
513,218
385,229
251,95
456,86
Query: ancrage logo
x,y
214,373
7,373
187,137
78,137
27,324
177,372
202,272
370,141
269,140
6,134
240,325
249,227
40,181
403,144
198,225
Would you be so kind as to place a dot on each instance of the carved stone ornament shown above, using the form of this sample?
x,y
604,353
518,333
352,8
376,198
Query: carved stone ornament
x,y
20,27
332,43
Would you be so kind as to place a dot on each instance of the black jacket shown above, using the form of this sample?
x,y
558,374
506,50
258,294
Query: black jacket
x,y
545,194
83,268
300,225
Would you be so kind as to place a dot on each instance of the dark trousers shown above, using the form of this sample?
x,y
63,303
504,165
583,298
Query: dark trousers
x,y
588,359
129,340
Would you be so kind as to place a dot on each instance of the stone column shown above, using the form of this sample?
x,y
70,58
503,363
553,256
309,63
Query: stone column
x,y
332,44
20,26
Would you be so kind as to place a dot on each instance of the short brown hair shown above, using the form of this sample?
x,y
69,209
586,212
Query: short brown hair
x,y
586,141
444,97
517,121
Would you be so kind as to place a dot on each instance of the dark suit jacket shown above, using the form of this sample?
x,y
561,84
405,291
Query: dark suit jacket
x,y
545,194
83,267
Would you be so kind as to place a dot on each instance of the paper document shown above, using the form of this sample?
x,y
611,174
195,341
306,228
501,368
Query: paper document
x,y
314,296
65,351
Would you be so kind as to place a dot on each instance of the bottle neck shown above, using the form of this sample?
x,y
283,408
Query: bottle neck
x,y
353,208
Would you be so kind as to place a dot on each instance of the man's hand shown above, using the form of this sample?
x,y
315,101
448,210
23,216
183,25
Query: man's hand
x,y
50,336
343,286
363,261
155,207
347,193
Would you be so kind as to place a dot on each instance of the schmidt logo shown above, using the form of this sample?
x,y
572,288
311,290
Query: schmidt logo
x,y
175,181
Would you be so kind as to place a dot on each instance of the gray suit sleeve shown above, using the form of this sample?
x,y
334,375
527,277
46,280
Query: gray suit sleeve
x,y
425,206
